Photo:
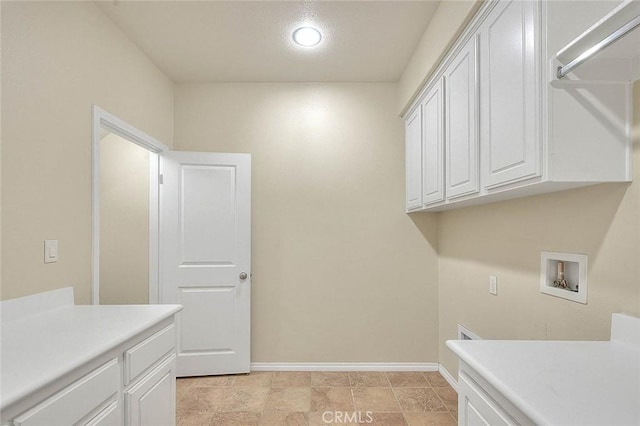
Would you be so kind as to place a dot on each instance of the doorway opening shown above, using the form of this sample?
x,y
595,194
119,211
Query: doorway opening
x,y
125,212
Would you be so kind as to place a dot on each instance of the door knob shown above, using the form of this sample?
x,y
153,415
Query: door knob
x,y
243,275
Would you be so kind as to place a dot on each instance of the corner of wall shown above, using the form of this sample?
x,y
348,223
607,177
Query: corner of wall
x,y
445,27
0,163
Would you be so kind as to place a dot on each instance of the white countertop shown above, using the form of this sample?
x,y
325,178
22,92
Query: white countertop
x,y
38,349
558,382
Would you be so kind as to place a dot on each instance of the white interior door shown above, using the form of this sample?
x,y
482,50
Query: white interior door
x,y
205,249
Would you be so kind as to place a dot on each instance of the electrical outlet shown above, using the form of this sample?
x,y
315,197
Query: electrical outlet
x,y
493,285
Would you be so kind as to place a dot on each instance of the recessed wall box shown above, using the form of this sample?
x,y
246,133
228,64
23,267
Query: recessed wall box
x,y
564,275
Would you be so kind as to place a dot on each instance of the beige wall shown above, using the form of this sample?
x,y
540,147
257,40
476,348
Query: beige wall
x,y
505,239
341,273
59,58
124,222
0,159
445,26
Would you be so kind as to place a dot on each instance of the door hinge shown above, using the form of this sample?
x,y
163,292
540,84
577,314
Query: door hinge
x,y
161,179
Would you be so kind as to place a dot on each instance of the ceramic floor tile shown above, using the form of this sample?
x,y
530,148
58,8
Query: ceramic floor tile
x,y
331,399
182,388
329,379
181,393
419,400
255,378
284,418
410,379
435,379
244,399
289,399
202,399
184,382
375,399
374,379
236,419
430,419
291,379
448,396
205,381
193,418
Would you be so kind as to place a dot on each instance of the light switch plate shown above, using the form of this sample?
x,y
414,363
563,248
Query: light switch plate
x,y
493,285
50,251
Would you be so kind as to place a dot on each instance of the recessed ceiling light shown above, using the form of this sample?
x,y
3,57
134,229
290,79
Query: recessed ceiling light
x,y
307,36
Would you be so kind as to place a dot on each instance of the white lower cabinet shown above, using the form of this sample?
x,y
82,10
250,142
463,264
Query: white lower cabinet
x,y
151,401
78,403
479,403
135,385
111,415
476,407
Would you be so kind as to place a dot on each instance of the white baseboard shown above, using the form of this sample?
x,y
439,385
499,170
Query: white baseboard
x,y
448,377
344,366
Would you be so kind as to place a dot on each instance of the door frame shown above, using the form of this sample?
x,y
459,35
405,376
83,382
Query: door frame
x,y
117,126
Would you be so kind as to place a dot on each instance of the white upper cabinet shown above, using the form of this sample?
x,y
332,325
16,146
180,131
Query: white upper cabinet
x,y
413,152
433,145
461,123
509,94
512,128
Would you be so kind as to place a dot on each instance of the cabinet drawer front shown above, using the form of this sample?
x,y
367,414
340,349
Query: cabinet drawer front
x,y
76,401
110,416
143,355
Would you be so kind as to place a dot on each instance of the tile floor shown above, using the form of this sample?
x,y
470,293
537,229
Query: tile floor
x,y
317,398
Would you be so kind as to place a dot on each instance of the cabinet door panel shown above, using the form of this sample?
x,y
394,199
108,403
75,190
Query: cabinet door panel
x,y
478,408
413,153
461,132
152,400
510,101
433,146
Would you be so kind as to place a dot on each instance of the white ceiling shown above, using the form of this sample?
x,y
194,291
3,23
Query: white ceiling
x,y
198,41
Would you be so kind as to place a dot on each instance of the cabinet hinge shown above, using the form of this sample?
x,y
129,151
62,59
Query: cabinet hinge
x,y
161,179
